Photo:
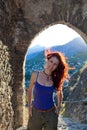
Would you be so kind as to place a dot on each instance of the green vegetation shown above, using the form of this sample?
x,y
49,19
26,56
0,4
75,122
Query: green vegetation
x,y
32,64
85,90
81,56
63,111
85,122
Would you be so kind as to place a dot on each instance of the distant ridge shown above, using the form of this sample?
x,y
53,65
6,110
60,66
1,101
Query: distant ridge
x,y
71,48
35,49
75,46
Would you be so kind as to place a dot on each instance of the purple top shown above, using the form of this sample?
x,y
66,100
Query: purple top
x,y
43,97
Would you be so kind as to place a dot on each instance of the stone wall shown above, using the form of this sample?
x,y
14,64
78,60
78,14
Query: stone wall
x,y
6,110
20,21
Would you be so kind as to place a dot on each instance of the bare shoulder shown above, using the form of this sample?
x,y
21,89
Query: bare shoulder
x,y
34,74
33,79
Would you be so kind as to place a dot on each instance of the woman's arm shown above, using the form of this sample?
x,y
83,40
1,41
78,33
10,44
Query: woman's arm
x,y
60,97
32,81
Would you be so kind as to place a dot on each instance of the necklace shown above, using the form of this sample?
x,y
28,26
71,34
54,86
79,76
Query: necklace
x,y
48,77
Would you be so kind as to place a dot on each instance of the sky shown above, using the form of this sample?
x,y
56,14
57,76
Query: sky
x,y
58,34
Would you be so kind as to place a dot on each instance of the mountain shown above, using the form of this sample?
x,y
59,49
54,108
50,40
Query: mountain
x,y
71,48
36,48
77,45
34,51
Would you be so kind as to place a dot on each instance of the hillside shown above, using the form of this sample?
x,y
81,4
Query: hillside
x,y
76,103
78,85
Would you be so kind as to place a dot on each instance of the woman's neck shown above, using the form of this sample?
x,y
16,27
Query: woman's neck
x,y
47,72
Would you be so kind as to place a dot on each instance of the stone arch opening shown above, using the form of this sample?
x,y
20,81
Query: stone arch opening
x,y
61,23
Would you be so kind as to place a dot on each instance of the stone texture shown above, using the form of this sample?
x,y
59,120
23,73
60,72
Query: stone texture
x,y
20,21
6,110
76,104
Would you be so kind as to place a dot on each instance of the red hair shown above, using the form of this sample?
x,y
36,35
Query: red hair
x,y
60,74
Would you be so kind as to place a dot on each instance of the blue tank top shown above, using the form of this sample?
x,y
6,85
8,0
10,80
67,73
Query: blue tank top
x,y
43,97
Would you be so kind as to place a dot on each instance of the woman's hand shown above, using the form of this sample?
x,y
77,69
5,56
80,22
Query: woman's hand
x,y
57,110
30,110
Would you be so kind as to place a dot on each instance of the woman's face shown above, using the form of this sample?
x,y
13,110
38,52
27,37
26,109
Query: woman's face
x,y
52,63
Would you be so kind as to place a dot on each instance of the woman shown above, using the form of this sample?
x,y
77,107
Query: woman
x,y
42,110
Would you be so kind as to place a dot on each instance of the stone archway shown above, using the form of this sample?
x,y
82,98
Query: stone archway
x,y
20,22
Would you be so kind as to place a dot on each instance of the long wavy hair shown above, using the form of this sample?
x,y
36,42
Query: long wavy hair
x,y
60,74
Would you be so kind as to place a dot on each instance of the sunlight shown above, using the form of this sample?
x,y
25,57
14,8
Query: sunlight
x,y
54,35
